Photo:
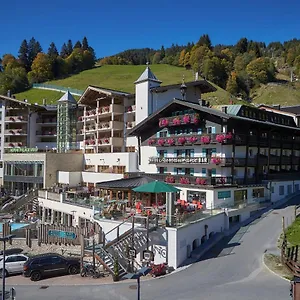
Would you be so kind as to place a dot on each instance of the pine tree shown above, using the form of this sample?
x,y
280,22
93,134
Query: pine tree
x,y
23,55
85,44
34,47
77,45
52,51
69,47
162,53
64,51
205,41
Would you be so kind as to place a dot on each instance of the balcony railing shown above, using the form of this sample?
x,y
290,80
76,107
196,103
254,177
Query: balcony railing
x,y
186,119
130,108
14,144
15,132
102,142
16,119
46,121
102,111
46,133
130,125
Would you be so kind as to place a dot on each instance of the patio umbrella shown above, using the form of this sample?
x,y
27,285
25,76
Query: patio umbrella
x,y
156,187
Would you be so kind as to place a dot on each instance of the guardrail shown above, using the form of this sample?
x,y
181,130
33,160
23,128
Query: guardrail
x,y
57,88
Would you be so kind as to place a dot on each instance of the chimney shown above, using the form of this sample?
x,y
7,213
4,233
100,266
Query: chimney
x,y
196,76
202,102
224,109
44,102
9,93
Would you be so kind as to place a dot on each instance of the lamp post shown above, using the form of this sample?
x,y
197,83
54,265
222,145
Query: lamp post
x,y
4,240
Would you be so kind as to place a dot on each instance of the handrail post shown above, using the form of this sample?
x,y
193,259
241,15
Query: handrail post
x,y
118,233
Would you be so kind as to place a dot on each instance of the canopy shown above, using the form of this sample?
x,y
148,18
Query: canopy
x,y
156,187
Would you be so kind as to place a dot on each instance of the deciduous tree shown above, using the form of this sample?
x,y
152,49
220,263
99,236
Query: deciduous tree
x,y
41,69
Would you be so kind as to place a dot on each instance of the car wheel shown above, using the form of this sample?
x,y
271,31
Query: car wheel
x,y
6,273
73,270
35,276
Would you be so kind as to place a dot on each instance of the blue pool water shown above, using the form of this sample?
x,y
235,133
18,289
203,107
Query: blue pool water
x,y
14,226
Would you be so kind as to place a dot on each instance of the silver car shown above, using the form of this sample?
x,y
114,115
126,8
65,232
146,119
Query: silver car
x,y
13,264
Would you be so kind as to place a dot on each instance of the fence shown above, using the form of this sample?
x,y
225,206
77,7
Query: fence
x,y
289,257
57,88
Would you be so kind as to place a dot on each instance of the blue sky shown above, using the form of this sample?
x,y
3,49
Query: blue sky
x,y
113,26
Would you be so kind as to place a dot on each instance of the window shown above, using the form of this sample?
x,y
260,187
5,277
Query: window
x,y
272,189
21,258
203,171
289,189
296,187
162,170
101,169
163,133
224,194
119,169
250,152
56,260
281,190
258,193
11,259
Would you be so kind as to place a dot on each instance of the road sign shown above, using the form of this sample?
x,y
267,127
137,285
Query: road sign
x,y
62,234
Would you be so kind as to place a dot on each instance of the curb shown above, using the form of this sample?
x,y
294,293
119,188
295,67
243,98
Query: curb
x,y
273,272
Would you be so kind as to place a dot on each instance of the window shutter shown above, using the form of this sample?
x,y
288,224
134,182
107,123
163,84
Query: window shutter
x,y
192,152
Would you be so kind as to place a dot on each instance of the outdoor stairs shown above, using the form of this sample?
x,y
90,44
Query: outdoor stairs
x,y
118,248
20,202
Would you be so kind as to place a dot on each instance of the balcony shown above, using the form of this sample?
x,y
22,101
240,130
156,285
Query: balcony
x,y
130,125
46,121
187,179
14,145
102,112
189,139
16,119
48,133
103,127
130,109
186,119
14,132
102,142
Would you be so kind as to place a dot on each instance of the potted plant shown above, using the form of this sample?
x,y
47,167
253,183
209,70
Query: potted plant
x,y
196,119
116,269
86,142
229,136
170,179
220,138
129,109
184,180
200,181
216,160
192,139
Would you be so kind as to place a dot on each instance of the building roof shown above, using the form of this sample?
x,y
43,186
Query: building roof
x,y
204,85
231,109
150,126
295,109
32,105
67,97
147,75
125,183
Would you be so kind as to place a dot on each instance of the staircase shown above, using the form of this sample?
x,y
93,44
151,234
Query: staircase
x,y
20,202
107,252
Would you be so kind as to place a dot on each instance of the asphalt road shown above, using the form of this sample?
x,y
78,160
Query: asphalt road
x,y
232,270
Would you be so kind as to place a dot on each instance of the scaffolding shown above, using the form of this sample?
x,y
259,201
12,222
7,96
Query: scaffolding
x,y
66,123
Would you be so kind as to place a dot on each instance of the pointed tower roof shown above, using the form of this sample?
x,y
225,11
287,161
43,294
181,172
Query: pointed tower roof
x,y
147,75
67,97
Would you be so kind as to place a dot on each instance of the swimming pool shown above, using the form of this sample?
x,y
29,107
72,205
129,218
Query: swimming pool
x,y
14,226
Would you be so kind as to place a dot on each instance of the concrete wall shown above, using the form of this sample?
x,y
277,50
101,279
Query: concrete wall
x,y
274,189
71,178
180,240
93,177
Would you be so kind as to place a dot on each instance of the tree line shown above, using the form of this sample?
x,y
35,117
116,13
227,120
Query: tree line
x,y
34,66
237,68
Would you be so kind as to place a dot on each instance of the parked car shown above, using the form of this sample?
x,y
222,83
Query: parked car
x,y
11,251
13,264
50,264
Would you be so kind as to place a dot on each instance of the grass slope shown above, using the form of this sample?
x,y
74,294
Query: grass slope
x,y
123,77
283,94
37,96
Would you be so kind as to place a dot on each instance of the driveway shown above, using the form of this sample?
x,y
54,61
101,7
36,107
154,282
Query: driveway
x,y
232,270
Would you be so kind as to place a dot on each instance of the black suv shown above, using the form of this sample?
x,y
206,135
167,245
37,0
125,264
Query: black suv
x,y
50,264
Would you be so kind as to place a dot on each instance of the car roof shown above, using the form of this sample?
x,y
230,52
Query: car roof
x,y
9,255
45,255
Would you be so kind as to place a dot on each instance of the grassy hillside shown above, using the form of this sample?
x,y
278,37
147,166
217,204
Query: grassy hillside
x,y
123,77
283,94
37,96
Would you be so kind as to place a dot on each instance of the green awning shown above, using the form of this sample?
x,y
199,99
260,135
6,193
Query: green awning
x,y
156,187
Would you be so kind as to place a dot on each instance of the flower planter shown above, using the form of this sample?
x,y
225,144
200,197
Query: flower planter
x,y
151,142
205,139
161,142
192,139
216,160
201,181
170,179
171,142
186,119
106,141
181,140
220,138
163,123
184,180
176,121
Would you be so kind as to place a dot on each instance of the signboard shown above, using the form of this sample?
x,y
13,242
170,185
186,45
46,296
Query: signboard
x,y
148,255
132,252
178,160
62,234
224,194
22,150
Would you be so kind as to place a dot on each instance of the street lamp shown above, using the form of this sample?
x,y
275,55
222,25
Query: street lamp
x,y
5,239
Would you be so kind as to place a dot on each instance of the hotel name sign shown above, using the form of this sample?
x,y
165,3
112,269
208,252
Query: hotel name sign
x,y
22,150
178,160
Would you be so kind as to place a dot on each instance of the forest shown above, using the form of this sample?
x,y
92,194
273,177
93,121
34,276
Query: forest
x,y
33,65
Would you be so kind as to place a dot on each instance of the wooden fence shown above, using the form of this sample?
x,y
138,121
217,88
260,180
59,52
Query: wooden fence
x,y
289,257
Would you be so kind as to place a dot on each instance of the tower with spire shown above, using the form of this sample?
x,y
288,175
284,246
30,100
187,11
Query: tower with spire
x,y
143,97
66,123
